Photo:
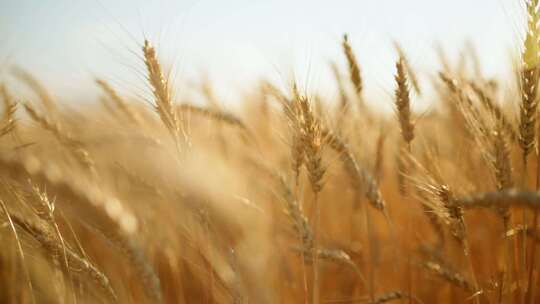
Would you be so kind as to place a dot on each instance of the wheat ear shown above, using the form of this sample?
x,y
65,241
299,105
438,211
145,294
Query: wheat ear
x,y
495,109
119,102
53,247
410,72
162,94
107,209
76,147
44,96
311,139
8,122
403,103
529,80
451,276
354,69
360,178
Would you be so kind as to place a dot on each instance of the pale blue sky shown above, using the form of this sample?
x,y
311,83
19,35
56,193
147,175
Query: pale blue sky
x,y
67,42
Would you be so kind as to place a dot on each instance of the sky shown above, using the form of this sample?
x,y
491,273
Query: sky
x,y
233,43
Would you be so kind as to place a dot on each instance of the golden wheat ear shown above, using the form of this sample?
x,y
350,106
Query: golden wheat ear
x,y
310,137
44,96
529,75
496,110
52,246
451,276
74,146
403,102
410,72
119,102
354,72
8,122
162,93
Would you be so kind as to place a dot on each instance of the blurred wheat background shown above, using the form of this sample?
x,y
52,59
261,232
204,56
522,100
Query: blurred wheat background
x,y
185,153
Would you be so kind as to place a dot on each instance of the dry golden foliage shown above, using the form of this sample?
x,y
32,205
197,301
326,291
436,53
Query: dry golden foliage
x,y
303,207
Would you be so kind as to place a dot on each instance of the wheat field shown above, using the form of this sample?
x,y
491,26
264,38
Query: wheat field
x,y
293,198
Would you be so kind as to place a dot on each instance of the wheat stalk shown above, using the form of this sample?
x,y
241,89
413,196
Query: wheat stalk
x,y
19,248
506,198
503,167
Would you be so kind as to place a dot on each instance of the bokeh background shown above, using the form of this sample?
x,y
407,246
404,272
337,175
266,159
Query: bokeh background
x,y
66,43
